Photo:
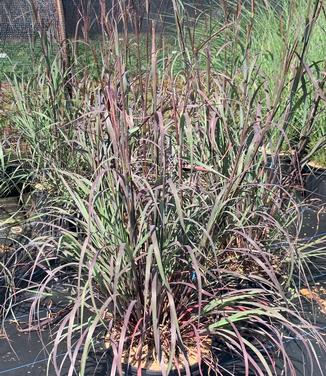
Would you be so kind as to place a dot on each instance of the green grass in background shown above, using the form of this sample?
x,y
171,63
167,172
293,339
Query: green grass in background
x,y
21,57
274,31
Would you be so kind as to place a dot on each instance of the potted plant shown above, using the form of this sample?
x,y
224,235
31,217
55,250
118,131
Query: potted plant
x,y
181,253
174,268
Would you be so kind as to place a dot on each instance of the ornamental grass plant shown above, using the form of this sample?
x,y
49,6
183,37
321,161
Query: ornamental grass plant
x,y
152,204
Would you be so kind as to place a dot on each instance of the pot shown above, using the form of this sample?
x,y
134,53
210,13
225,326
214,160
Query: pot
x,y
314,176
278,166
129,370
315,182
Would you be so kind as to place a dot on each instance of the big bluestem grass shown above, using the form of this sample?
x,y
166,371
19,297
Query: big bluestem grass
x,y
155,205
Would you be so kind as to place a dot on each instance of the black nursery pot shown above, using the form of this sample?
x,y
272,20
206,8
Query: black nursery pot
x,y
128,370
278,167
13,179
315,182
314,178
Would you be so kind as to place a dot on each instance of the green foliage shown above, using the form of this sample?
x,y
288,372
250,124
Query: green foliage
x,y
266,36
275,30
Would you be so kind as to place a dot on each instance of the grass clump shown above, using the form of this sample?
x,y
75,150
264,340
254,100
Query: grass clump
x,y
275,30
155,209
